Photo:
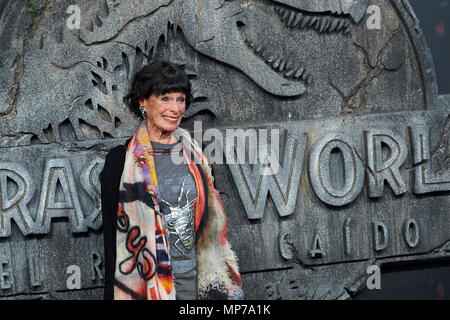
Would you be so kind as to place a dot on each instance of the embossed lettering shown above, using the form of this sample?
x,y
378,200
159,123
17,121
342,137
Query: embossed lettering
x,y
91,183
65,203
283,186
380,236
317,248
14,206
319,171
5,274
33,266
285,244
425,181
411,239
348,249
96,261
383,168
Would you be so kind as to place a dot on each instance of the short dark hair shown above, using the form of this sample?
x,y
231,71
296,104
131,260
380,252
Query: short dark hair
x,y
159,77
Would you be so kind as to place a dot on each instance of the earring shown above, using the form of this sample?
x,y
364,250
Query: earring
x,y
143,114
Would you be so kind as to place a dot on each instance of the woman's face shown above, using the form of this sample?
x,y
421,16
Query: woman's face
x,y
164,112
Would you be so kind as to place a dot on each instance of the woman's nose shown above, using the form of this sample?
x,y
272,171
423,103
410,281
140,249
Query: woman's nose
x,y
173,106
177,106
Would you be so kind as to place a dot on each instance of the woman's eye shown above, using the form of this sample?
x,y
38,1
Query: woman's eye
x,y
165,99
181,99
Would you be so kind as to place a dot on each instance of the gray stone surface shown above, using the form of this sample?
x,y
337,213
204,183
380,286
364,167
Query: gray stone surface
x,y
364,176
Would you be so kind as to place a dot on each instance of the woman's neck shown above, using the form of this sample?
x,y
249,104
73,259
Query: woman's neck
x,y
163,137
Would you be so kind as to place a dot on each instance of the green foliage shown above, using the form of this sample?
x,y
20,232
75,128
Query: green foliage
x,y
31,5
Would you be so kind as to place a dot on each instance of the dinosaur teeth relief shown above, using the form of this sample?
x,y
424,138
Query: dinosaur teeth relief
x,y
352,8
322,24
284,66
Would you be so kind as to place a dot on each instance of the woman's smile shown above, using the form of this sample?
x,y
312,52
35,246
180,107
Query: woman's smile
x,y
171,119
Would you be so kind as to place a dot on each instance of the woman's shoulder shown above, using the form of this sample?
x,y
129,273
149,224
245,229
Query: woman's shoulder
x,y
116,156
118,150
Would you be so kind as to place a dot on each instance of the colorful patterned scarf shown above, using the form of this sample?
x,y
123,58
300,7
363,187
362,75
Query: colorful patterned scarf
x,y
143,269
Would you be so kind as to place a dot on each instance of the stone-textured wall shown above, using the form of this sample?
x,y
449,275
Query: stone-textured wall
x,y
364,176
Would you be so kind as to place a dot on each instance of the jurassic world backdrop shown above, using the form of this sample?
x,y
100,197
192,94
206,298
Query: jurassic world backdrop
x,y
349,85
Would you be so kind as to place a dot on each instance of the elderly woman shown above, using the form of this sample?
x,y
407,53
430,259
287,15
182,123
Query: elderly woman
x,y
164,225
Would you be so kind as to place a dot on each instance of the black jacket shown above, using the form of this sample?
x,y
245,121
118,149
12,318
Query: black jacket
x,y
110,181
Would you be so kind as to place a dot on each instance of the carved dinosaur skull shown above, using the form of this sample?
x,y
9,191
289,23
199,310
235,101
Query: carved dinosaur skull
x,y
212,28
215,34
123,32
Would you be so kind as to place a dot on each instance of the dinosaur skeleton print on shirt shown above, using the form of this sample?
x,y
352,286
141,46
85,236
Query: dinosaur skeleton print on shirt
x,y
177,193
180,220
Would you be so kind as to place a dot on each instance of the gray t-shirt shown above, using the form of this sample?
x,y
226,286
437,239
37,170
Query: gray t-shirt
x,y
178,192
